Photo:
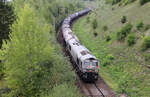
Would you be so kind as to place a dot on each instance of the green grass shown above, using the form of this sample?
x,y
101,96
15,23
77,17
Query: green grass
x,y
2,83
127,73
107,78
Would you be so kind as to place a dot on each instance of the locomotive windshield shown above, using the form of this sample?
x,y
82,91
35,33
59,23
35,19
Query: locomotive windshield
x,y
90,64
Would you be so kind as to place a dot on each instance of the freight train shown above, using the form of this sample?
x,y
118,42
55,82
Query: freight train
x,y
87,65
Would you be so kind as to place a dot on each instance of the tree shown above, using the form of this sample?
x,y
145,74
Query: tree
x,y
6,19
26,54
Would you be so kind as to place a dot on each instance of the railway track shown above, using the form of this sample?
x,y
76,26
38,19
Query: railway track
x,y
90,89
97,89
100,91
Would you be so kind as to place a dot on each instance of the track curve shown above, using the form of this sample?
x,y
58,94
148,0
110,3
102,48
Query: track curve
x,y
96,89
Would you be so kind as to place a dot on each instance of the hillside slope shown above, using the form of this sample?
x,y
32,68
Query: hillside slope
x,y
123,67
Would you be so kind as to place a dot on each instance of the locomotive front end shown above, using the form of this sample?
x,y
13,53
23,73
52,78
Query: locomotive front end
x,y
90,69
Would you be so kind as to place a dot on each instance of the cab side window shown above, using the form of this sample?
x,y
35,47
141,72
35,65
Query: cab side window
x,y
77,61
69,47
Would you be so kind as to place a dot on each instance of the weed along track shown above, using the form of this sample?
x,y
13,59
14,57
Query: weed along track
x,y
97,87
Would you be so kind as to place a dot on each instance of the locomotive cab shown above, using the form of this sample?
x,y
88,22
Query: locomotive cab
x,y
90,69
91,65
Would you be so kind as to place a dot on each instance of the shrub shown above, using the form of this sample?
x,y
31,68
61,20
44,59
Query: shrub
x,y
140,25
142,2
147,57
106,62
94,24
95,34
146,43
115,1
108,38
146,27
105,28
123,19
110,57
61,70
124,32
64,90
127,28
125,2
120,36
131,39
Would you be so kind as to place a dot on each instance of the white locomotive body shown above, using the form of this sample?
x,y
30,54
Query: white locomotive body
x,y
87,65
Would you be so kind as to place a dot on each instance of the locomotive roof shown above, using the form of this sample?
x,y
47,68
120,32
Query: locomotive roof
x,y
82,51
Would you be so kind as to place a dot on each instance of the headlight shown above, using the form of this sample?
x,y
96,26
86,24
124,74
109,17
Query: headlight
x,y
96,70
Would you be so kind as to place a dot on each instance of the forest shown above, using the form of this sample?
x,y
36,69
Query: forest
x,y
32,63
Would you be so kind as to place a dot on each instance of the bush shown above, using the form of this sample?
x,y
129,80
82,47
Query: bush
x,y
95,34
147,57
115,1
146,43
94,24
120,36
108,38
125,2
110,57
105,28
146,27
142,2
131,39
124,32
123,19
106,62
61,70
140,25
64,90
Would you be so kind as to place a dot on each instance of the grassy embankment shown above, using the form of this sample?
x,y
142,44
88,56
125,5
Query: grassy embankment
x,y
123,67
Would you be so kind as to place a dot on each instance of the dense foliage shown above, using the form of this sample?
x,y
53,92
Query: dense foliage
x,y
123,19
94,24
6,19
131,39
146,43
143,1
32,59
124,31
140,25
125,2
